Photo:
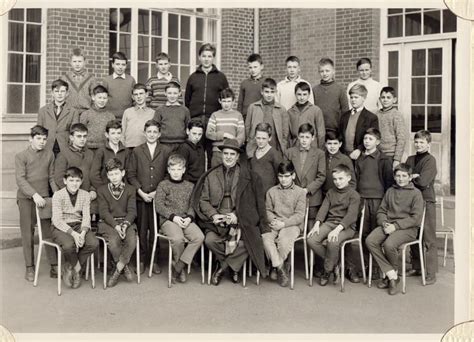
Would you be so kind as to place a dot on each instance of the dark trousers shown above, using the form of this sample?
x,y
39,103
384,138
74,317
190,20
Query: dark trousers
x,y
216,243
27,228
146,231
429,242
71,254
206,142
121,250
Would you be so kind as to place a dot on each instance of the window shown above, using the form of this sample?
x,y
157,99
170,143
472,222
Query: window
x,y
120,20
24,61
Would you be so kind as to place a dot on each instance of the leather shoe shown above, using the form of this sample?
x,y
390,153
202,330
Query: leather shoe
x,y
430,280
324,279
413,273
234,276
383,284
393,286
317,274
53,272
113,280
156,269
352,276
217,276
67,276
76,279
273,274
182,277
127,273
30,273
282,275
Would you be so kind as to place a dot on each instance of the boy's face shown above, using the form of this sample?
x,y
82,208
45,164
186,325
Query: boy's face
x,y
229,157
326,72
341,179
333,146
176,172
226,103
59,94
365,71
402,178
302,96
387,100
293,69
115,176
140,96
305,139
152,133
172,94
114,135
119,66
78,139
38,142
194,134
268,94
357,100
255,69
286,179
100,99
370,142
72,184
206,58
77,63
163,66
262,139
421,145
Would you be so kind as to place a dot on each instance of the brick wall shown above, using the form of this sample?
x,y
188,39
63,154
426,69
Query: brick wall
x,y
71,28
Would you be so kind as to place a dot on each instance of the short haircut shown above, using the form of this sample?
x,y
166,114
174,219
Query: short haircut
x,y
292,59
59,83
333,135
78,52
326,61
152,123
388,90
303,86
120,56
161,56
342,168
38,130
176,159
115,124
269,83
226,93
286,167
364,60
173,84
112,164
99,89
403,167
358,89
207,47
373,132
195,123
306,128
255,57
77,127
423,134
73,172
139,86
264,127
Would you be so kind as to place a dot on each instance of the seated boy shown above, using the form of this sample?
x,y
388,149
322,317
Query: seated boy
x,y
286,88
156,84
251,87
173,204
335,221
193,151
34,169
72,226
118,210
226,123
398,219
285,206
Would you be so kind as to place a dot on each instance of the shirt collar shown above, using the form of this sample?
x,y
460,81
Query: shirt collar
x,y
143,107
358,110
256,78
297,79
114,76
167,77
302,149
292,186
169,104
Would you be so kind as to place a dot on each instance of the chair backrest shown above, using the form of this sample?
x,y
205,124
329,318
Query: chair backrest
x,y
43,213
422,225
155,219
361,224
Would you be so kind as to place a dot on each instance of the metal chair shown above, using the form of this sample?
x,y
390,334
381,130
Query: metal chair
x,y
157,235
444,230
244,271
46,213
305,246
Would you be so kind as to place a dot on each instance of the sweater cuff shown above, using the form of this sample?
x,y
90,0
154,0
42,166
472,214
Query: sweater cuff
x,y
69,231
171,217
85,229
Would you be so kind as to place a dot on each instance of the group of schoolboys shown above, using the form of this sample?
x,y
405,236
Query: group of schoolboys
x,y
116,141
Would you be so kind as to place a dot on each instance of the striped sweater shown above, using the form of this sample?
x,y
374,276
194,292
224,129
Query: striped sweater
x,y
156,88
65,213
222,122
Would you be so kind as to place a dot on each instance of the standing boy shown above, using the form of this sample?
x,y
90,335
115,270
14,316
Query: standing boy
x,y
192,151
34,169
250,88
364,68
156,84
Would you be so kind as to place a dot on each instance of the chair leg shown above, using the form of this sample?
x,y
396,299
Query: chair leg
x,y
292,271
258,277
170,260
59,270
87,268
404,266
362,262
38,261
342,267
105,264
155,240
137,252
244,275
203,276
250,267
305,248
209,271
445,249
422,262
369,278
92,271
311,267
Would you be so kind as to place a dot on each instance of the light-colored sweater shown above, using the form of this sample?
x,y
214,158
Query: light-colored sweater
x,y
65,213
394,133
222,122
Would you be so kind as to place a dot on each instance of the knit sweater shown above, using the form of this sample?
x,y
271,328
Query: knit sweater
x,y
286,92
340,206
373,93
34,171
195,160
173,198
72,157
111,208
65,213
394,133
133,124
80,85
173,120
332,160
374,174
286,204
98,174
120,91
331,97
221,122
96,120
424,164
156,88
311,114
250,91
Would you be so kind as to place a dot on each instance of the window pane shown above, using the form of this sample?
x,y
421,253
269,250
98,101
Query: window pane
x,y
15,38
156,23
434,119
174,71
395,26
15,68
143,48
32,98
435,61
184,75
393,63
434,90
14,98
185,27
412,10
449,21
418,90
418,62
125,19
393,82
142,72
125,44
199,28
33,68
212,31
17,14
185,59
112,43
417,118
413,24
113,20
431,22
33,38
143,22
173,50
173,25
156,47
33,15
394,10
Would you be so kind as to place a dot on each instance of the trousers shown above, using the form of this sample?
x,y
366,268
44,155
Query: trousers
x,y
278,244
121,250
177,235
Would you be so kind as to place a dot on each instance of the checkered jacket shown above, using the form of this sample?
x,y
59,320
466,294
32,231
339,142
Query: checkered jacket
x,y
65,213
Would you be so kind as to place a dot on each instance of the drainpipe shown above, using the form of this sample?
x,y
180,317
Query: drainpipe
x,y
256,30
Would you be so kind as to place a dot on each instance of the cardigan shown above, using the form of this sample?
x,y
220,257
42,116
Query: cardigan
x,y
98,174
340,206
120,93
65,213
332,99
73,157
311,114
111,208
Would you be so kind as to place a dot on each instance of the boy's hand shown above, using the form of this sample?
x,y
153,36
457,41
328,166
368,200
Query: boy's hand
x,y
186,222
227,135
395,163
218,219
333,235
231,219
389,228
355,154
277,224
146,197
93,195
39,201
179,221
415,175
82,236
305,191
119,230
314,230
77,239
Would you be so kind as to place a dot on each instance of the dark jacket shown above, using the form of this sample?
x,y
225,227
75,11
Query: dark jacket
x,y
426,168
384,174
195,160
101,157
366,120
